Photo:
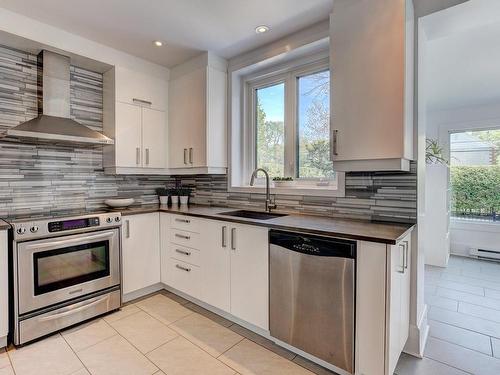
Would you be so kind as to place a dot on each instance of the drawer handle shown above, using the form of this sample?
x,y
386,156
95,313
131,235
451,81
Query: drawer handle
x,y
141,101
183,221
182,252
185,156
182,236
183,268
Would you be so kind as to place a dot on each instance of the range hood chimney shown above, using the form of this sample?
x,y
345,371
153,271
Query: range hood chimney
x,y
53,122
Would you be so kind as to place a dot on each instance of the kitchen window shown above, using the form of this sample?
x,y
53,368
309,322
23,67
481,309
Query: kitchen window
x,y
287,127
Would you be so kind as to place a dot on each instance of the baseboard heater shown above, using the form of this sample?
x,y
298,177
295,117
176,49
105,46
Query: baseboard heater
x,y
485,253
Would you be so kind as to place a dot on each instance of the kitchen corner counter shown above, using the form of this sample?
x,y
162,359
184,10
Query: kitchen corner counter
x,y
363,230
4,225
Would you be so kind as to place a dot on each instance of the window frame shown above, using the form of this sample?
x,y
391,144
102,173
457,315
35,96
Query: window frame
x,y
289,77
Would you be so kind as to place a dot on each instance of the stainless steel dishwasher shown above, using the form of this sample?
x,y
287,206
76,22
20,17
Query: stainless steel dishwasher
x,y
312,295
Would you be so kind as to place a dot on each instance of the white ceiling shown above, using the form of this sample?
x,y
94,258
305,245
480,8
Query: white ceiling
x,y
462,66
226,27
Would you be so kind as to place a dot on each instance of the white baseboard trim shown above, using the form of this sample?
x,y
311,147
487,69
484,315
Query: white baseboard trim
x,y
142,292
417,338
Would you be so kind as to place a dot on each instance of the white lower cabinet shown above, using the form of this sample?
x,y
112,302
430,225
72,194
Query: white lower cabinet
x,y
140,251
250,274
223,264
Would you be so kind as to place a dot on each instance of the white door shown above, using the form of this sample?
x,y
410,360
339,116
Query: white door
x,y
394,312
164,246
405,294
154,138
140,251
215,264
128,135
187,119
250,274
4,283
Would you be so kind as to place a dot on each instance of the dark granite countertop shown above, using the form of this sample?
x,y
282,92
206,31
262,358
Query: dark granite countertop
x,y
388,233
4,225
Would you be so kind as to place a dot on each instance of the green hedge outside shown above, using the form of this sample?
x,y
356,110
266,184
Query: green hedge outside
x,y
475,190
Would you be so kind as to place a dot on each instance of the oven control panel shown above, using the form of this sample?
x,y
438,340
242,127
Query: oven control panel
x,y
58,226
28,230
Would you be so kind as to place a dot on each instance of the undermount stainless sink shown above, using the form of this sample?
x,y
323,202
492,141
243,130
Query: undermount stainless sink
x,y
253,214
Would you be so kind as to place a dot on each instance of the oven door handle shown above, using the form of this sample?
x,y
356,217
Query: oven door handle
x,y
85,305
66,242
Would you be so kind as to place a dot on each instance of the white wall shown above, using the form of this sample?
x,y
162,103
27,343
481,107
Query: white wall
x,y
45,34
466,235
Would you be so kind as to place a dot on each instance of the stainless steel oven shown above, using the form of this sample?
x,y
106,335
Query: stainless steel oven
x,y
64,271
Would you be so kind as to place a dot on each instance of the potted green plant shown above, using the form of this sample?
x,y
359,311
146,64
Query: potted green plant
x,y
174,196
184,194
283,181
163,195
434,152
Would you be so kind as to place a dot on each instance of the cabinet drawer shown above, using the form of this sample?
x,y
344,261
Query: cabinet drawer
x,y
185,223
185,277
184,238
184,254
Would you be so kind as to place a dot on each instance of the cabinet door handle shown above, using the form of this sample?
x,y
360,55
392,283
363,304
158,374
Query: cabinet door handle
x,y
127,228
334,141
183,268
233,238
141,101
406,254
402,247
182,236
147,156
224,240
183,220
138,155
183,252
185,156
190,155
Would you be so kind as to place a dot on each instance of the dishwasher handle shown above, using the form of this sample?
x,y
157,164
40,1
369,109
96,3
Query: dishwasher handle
x,y
313,245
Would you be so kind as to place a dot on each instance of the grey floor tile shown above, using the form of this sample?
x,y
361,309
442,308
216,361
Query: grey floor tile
x,y
460,357
472,281
469,298
491,293
479,311
460,336
490,275
495,344
430,289
472,323
409,365
442,302
456,286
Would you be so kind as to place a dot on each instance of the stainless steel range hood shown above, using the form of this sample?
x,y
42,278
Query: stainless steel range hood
x,y
53,122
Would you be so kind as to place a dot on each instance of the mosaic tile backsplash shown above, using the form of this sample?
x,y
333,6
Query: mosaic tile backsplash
x,y
42,178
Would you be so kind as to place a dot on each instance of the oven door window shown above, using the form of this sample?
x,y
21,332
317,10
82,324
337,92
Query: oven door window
x,y
62,268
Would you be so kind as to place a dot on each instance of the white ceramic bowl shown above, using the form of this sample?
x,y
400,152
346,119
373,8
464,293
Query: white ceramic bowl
x,y
119,202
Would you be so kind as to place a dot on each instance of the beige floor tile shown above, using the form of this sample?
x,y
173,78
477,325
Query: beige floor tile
x,y
164,309
268,344
85,335
7,370
4,359
51,356
208,335
116,356
311,366
143,331
81,372
174,297
122,313
249,358
181,357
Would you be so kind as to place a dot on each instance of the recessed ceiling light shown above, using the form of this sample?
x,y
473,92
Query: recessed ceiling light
x,y
158,43
261,29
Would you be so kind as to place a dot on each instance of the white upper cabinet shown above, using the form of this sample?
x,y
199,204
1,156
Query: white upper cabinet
x,y
4,288
138,88
197,116
371,58
135,117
